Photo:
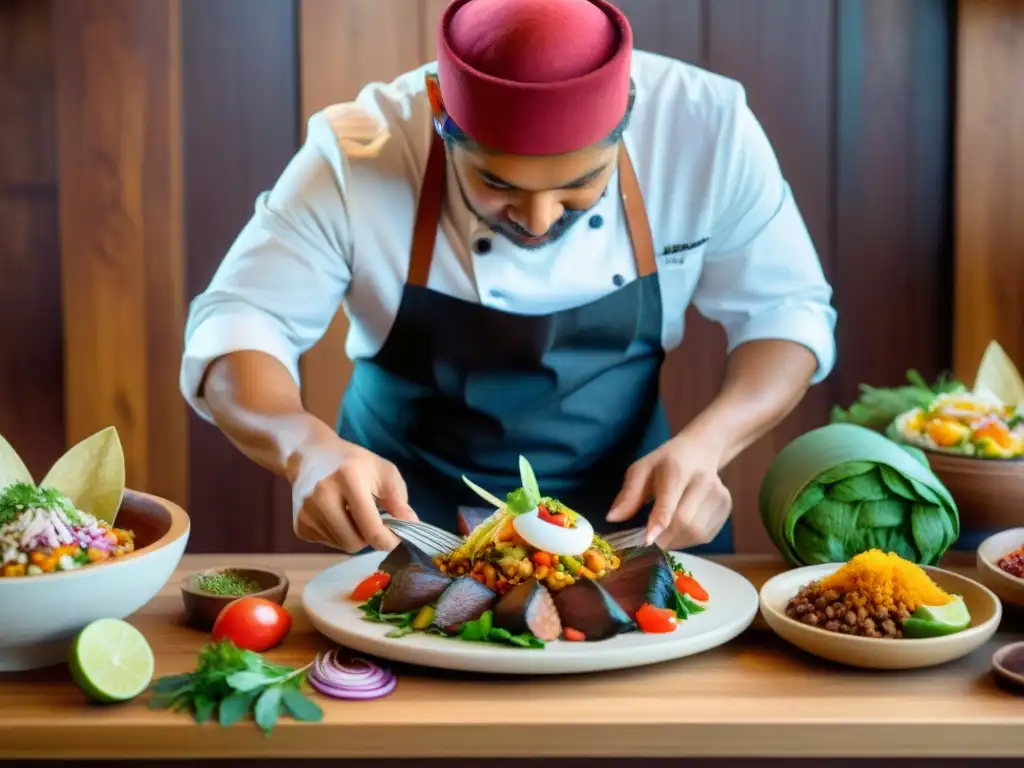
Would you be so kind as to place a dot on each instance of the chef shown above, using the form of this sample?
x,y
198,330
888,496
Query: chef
x,y
515,232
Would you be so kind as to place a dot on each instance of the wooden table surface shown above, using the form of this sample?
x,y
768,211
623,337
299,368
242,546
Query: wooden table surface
x,y
754,696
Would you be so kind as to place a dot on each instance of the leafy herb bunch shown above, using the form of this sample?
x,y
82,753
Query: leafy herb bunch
x,y
229,682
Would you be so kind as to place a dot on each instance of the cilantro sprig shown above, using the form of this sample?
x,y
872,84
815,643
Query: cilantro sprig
x,y
229,683
18,497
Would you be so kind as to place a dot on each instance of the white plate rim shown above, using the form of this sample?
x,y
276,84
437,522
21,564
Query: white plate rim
x,y
560,657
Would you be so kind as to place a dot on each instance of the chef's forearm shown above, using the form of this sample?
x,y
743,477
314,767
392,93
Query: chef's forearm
x,y
257,404
764,381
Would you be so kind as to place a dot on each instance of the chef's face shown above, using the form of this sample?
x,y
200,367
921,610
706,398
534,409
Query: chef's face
x,y
533,200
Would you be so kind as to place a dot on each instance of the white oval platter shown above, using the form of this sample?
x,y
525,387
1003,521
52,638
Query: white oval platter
x,y
731,608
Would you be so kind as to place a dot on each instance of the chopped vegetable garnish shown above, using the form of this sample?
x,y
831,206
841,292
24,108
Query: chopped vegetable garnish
x,y
370,586
656,620
689,586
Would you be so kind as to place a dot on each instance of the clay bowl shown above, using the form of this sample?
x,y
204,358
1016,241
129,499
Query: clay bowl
x,y
1008,664
43,614
202,608
1007,587
989,493
871,653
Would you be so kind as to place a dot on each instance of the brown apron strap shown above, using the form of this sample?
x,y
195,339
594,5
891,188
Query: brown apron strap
x,y
428,215
636,215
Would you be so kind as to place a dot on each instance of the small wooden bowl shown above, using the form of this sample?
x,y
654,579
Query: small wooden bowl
x,y
202,608
1007,587
988,492
1003,666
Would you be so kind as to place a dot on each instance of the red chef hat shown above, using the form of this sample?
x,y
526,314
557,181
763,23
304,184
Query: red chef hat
x,y
534,77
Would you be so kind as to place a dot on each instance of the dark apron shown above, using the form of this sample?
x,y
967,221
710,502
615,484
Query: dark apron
x,y
463,389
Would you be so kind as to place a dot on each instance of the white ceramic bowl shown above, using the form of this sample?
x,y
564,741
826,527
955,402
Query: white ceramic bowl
x,y
1008,588
873,653
41,615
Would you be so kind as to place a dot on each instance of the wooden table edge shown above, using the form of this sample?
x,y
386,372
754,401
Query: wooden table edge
x,y
674,737
826,740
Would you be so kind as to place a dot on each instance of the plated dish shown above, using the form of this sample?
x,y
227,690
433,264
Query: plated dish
x,y
531,590
531,573
879,595
878,611
327,602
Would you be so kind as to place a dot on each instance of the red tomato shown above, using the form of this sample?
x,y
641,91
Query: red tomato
x,y
252,623
573,635
555,519
689,586
370,586
656,620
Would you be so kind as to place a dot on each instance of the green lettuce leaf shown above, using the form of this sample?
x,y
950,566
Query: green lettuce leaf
x,y
843,489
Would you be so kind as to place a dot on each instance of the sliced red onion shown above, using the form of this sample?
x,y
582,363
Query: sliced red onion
x,y
357,679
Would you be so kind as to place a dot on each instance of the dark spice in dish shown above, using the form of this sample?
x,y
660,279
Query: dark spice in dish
x,y
841,613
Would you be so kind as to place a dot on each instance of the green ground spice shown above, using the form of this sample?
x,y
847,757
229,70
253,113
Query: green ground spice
x,y
228,583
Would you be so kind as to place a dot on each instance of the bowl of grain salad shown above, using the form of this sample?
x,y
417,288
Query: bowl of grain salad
x,y
879,611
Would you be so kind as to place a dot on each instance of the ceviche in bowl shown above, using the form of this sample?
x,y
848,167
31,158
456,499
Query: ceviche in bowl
x,y
948,418
41,532
77,547
964,424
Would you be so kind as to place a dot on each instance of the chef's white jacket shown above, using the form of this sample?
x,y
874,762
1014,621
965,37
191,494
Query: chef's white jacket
x,y
336,230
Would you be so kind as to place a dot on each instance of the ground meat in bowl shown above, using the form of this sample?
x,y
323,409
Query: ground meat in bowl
x,y
848,614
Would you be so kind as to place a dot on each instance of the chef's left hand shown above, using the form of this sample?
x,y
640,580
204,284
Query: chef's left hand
x,y
691,503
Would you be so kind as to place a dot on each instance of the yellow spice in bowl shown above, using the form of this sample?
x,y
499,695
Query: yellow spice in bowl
x,y
885,580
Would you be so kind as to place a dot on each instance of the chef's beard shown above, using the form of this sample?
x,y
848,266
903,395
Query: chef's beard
x,y
523,238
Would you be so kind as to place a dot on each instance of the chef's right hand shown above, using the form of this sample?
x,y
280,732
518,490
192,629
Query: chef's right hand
x,y
334,487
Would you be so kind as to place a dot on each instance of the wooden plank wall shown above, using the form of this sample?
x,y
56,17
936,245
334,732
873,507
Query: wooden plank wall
x,y
990,181
172,115
31,357
118,119
240,78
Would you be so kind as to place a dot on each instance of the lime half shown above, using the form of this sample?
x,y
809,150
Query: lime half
x,y
953,613
111,661
938,620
